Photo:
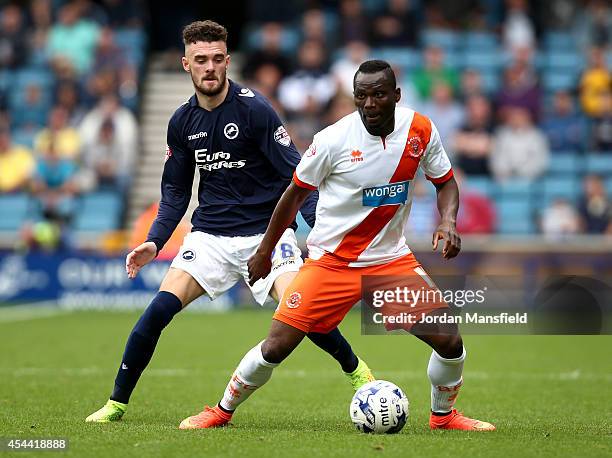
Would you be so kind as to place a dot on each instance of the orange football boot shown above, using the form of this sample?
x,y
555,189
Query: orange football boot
x,y
210,417
456,420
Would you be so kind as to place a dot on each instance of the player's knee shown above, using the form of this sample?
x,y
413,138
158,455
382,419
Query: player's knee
x,y
274,350
449,346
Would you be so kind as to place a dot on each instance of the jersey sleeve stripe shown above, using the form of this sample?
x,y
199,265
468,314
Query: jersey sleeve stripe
x,y
301,184
443,179
360,237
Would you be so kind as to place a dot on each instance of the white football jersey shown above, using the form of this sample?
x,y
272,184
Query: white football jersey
x,y
364,184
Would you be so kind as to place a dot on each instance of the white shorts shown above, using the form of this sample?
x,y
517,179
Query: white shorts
x,y
217,262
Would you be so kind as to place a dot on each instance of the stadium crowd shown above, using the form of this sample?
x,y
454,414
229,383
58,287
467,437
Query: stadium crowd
x,y
521,95
69,75
520,91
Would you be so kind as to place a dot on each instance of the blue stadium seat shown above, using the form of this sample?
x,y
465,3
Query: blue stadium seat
x,y
515,188
514,216
480,41
444,39
565,61
406,58
485,60
551,188
556,80
13,211
564,163
491,81
483,185
559,41
98,212
609,185
600,164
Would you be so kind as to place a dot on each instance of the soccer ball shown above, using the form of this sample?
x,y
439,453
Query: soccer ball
x,y
379,407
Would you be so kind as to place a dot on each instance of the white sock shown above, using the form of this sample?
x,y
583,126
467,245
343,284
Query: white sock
x,y
252,372
445,377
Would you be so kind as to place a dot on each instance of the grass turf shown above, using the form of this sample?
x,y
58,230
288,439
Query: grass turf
x,y
548,396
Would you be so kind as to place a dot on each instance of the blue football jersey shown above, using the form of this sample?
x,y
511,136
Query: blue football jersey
x,y
245,159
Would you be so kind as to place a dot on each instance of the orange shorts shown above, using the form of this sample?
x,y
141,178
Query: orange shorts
x,y
325,290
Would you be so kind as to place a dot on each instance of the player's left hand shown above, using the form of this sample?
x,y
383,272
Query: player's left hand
x,y
259,266
452,242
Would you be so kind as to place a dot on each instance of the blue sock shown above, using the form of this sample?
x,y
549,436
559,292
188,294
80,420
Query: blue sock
x,y
141,343
336,345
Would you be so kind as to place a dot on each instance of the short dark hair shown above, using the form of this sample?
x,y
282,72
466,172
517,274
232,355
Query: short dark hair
x,y
375,66
204,31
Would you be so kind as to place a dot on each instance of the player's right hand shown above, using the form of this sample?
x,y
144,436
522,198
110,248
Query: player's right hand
x,y
260,265
139,257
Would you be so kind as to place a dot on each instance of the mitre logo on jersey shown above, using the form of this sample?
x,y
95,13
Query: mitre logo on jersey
x,y
294,300
389,194
356,156
216,161
282,136
415,147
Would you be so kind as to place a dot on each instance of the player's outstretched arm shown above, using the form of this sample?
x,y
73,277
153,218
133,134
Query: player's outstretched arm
x,y
290,202
139,257
448,205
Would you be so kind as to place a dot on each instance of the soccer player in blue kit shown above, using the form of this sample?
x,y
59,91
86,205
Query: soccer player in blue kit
x,y
246,160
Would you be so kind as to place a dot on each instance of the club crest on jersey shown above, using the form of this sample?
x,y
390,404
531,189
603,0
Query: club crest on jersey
x,y
281,136
356,156
188,255
230,130
415,147
311,151
294,300
168,153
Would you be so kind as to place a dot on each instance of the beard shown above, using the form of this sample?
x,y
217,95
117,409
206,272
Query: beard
x,y
210,92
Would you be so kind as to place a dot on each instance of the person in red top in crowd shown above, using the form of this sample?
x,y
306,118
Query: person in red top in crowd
x,y
477,212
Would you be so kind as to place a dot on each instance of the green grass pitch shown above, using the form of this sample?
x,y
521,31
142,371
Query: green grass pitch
x,y
548,396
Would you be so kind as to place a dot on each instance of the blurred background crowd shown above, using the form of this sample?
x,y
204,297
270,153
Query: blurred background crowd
x,y
520,91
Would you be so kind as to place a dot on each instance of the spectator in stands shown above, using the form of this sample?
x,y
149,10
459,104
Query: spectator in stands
x,y
266,80
518,30
310,88
110,58
67,142
343,69
519,89
123,13
16,164
519,148
601,126
564,127
446,111
595,81
29,109
595,206
473,142
314,27
353,23
560,219
593,25
471,84
73,38
269,53
67,97
476,213
91,11
340,106
433,71
109,158
125,127
55,184
13,46
397,25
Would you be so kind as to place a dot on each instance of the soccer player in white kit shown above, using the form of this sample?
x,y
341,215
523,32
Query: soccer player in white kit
x,y
362,166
